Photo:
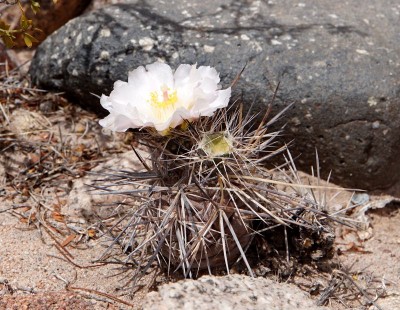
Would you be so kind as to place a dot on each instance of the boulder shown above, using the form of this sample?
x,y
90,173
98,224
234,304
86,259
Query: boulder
x,y
340,69
230,292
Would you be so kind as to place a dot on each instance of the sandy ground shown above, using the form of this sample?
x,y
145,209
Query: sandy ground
x,y
31,265
378,256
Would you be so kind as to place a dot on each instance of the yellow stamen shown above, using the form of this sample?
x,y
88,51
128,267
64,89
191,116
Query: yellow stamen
x,y
168,98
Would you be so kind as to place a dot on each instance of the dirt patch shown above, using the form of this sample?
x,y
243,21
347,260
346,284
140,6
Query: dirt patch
x,y
380,254
33,268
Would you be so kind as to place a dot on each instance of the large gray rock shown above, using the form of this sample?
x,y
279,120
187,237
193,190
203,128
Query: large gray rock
x,y
230,292
341,68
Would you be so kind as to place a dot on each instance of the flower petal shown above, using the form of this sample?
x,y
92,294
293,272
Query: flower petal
x,y
119,123
160,74
209,73
182,75
156,97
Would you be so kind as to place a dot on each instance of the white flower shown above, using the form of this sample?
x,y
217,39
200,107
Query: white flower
x,y
157,97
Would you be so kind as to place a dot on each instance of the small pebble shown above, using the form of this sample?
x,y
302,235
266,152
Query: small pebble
x,y
360,199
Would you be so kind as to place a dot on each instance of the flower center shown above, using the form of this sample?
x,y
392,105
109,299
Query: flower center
x,y
168,98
